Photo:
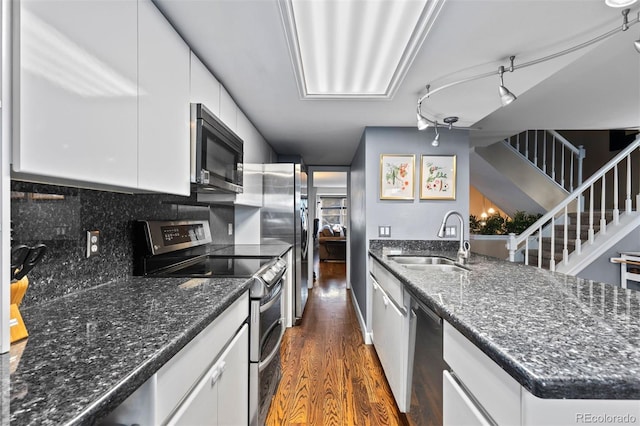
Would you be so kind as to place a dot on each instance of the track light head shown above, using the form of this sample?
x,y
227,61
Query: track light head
x,y
506,97
423,123
436,140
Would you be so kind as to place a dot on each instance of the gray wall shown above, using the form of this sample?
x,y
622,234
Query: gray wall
x,y
602,269
411,219
357,226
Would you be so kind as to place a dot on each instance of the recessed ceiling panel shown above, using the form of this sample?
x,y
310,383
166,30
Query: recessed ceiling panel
x,y
355,48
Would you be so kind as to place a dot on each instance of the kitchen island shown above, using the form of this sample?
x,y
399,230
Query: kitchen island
x,y
559,337
88,351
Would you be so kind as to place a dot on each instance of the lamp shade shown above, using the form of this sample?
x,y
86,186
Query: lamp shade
x,y
436,140
423,123
506,97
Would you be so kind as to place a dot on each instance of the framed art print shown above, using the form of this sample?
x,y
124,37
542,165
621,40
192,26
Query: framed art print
x,y
438,177
397,173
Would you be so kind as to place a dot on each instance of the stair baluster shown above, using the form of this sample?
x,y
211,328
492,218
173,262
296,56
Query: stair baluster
x,y
570,211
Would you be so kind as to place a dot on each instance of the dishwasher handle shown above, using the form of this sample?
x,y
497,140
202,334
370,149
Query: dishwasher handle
x,y
428,311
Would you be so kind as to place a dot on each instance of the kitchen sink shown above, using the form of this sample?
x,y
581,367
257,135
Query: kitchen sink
x,y
444,267
422,260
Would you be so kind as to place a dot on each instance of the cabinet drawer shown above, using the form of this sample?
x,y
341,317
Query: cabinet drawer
x,y
491,386
388,331
458,408
219,396
391,285
178,376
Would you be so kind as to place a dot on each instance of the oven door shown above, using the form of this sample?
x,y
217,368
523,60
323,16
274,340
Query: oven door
x,y
267,330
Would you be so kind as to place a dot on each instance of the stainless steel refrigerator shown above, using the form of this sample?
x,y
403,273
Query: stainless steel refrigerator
x,y
284,219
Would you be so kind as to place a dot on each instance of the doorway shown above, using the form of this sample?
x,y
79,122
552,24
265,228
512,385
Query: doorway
x,y
328,218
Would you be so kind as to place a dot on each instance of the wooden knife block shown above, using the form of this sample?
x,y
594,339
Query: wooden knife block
x,y
17,329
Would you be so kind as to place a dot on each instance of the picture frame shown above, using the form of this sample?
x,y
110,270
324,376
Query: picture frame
x,y
397,176
438,177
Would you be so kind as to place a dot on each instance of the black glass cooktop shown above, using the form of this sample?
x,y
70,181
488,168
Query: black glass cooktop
x,y
219,267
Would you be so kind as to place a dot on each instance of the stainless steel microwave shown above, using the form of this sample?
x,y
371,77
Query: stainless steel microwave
x,y
216,153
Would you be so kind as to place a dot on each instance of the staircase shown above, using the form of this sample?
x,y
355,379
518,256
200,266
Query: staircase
x,y
587,222
532,171
542,255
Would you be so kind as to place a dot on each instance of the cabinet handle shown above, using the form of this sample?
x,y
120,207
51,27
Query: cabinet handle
x,y
217,372
385,300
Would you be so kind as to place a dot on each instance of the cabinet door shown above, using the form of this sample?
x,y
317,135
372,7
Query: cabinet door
x,y
164,141
228,110
388,332
205,89
458,408
221,396
233,386
76,90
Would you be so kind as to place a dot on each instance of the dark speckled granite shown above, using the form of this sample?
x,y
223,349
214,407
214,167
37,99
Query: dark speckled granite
x,y
60,216
559,336
89,350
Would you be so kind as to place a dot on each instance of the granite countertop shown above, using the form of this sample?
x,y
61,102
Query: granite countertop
x,y
559,336
88,351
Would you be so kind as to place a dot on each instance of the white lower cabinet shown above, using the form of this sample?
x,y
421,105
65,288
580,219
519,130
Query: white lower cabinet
x,y
479,392
458,408
214,400
390,335
205,383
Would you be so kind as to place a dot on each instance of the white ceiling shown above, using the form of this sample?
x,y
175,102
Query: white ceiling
x,y
243,43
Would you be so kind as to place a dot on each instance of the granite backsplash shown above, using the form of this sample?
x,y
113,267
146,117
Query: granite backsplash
x,y
60,216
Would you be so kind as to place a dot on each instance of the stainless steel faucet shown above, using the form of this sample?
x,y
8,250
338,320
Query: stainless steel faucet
x,y
463,251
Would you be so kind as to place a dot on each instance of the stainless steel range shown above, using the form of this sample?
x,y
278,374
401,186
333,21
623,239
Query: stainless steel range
x,y
184,249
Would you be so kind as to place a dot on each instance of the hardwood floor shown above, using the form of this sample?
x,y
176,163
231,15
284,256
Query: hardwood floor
x,y
330,377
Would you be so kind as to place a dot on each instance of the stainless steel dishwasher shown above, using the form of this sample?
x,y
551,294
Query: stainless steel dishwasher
x,y
426,366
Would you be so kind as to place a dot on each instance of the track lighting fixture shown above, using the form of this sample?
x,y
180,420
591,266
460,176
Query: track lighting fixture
x,y
423,123
506,97
450,121
436,140
619,3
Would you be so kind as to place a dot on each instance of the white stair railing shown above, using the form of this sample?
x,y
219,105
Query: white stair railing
x,y
595,186
554,155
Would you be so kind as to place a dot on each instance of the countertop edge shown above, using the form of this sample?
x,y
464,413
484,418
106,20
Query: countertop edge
x,y
126,387
543,388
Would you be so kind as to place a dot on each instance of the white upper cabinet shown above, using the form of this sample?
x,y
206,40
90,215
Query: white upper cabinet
x,y
163,140
205,89
228,110
76,90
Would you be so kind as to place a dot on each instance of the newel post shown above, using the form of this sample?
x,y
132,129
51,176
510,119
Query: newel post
x,y
511,246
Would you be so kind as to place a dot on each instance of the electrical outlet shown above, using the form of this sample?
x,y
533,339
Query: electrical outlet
x,y
451,231
93,243
230,228
384,231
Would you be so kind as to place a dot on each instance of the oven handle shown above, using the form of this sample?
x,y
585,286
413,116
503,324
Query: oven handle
x,y
265,363
274,299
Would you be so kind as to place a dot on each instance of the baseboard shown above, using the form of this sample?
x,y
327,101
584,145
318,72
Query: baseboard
x,y
363,327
